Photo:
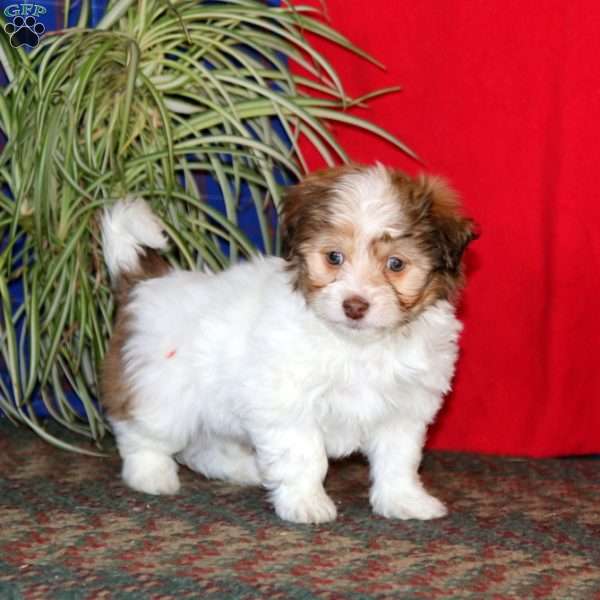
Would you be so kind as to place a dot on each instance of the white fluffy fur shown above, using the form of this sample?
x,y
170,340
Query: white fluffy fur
x,y
128,226
237,378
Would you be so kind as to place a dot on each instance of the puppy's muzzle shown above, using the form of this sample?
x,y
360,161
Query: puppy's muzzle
x,y
355,307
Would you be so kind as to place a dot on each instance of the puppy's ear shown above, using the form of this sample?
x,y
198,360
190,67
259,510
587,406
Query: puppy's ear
x,y
294,202
450,231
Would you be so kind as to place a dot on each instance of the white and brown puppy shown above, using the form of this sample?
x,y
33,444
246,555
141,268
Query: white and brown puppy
x,y
260,373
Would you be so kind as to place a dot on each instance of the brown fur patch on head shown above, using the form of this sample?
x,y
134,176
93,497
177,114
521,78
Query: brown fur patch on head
x,y
308,214
315,271
409,282
440,229
115,392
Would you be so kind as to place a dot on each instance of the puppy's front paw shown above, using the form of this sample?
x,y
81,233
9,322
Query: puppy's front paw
x,y
151,473
407,504
313,506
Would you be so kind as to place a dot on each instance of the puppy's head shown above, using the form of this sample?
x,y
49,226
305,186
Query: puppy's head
x,y
370,248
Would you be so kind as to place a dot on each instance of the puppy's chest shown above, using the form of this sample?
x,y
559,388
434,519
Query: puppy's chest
x,y
367,386
346,416
350,405
362,401
364,392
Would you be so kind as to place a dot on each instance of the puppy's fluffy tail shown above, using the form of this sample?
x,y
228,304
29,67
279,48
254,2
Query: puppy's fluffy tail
x,y
131,233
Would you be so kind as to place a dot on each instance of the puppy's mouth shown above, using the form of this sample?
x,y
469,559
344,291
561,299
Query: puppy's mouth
x,y
356,324
359,325
343,323
371,325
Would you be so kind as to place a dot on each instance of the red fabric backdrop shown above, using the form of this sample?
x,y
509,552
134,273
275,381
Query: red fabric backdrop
x,y
503,99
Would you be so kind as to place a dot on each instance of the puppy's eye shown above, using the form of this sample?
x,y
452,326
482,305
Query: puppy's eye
x,y
395,264
335,258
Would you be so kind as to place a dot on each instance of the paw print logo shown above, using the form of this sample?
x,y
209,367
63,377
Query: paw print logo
x,y
24,32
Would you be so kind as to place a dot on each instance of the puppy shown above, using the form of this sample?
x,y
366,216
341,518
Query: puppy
x,y
258,374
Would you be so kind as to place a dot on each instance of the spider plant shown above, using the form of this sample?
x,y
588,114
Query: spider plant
x,y
155,99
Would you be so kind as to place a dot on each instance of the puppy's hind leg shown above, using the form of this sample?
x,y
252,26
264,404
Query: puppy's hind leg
x,y
148,465
219,457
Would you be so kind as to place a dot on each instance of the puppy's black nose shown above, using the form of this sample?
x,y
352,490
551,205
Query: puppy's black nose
x,y
355,307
